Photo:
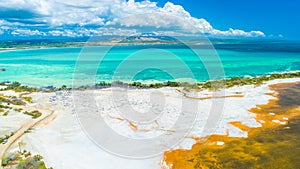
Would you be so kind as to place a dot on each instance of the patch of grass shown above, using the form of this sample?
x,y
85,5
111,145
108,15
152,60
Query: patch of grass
x,y
138,84
28,99
18,110
24,160
6,137
7,160
5,113
35,114
5,107
239,81
12,100
17,87
29,130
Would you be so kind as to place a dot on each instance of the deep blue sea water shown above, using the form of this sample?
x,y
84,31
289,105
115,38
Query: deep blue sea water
x,y
58,66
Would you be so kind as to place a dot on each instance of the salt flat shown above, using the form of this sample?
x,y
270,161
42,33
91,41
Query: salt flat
x,y
64,144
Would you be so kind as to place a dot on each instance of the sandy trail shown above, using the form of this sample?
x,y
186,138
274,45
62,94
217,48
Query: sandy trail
x,y
209,97
46,114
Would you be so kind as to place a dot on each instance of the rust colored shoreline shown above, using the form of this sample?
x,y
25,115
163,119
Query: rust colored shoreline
x,y
283,109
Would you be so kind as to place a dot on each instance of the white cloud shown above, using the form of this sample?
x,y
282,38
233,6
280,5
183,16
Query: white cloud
x,y
172,19
80,32
116,31
90,17
56,33
27,32
237,32
66,33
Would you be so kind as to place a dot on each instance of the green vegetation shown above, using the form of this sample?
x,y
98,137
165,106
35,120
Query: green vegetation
x,y
239,81
18,110
35,114
140,85
64,87
211,85
5,113
83,87
6,137
260,80
3,109
11,100
24,160
27,99
17,87
7,160
29,130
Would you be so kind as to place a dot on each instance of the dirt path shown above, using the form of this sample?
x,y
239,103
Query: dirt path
x,y
19,133
208,97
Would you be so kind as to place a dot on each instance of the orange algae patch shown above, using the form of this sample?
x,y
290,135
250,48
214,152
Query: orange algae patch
x,y
240,125
133,126
275,145
121,119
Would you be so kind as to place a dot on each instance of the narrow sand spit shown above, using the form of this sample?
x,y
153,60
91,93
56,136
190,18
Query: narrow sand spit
x,y
63,144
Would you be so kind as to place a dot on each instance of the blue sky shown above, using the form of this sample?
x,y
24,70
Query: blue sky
x,y
213,18
272,17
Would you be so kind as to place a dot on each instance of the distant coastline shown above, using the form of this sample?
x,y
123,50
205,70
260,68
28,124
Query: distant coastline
x,y
217,43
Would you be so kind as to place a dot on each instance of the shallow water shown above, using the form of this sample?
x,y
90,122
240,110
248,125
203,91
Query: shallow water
x,y
56,66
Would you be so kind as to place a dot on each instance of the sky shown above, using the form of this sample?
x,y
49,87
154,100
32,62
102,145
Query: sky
x,y
212,18
276,17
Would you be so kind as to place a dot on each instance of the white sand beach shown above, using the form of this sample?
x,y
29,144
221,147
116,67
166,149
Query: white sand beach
x,y
62,142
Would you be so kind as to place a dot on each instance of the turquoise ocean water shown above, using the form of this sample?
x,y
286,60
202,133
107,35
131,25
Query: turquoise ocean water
x,y
56,66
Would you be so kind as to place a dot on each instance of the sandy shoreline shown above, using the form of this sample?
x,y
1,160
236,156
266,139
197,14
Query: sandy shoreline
x,y
63,144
